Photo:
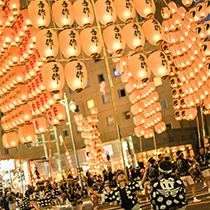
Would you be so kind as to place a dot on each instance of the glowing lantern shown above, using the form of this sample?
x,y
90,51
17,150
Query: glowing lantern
x,y
187,3
181,12
2,19
26,133
125,10
39,13
59,112
137,108
134,36
63,13
178,115
207,103
83,12
49,100
47,43
207,5
200,33
139,119
4,140
69,42
91,41
159,64
206,48
160,127
153,32
135,96
201,10
22,92
76,75
7,35
131,85
105,11
40,125
177,20
140,130
149,133
191,114
165,13
145,8
193,15
25,112
172,6
53,76
114,39
138,66
24,21
14,55
18,74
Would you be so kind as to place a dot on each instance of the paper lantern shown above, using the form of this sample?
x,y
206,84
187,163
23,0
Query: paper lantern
x,y
137,108
131,85
153,32
181,12
2,19
145,8
134,36
12,139
187,3
159,64
76,75
7,35
113,37
4,141
39,13
201,10
49,100
178,115
125,10
22,92
63,13
139,119
106,11
59,112
138,66
135,96
40,125
47,43
43,104
165,13
24,21
149,133
18,74
191,114
91,42
26,133
206,48
69,42
53,76
172,6
83,12
139,130
207,5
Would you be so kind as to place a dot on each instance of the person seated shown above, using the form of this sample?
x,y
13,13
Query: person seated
x,y
168,193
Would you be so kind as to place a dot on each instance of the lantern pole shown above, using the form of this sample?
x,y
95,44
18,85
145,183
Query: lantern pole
x,y
112,89
198,129
141,148
21,177
47,167
155,144
72,139
203,128
50,154
58,150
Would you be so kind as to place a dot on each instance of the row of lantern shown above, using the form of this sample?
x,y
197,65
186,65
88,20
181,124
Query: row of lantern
x,y
90,134
65,14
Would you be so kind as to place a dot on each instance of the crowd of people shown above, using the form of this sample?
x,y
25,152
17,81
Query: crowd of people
x,y
163,182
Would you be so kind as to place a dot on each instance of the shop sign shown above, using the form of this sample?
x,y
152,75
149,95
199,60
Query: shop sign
x,y
7,165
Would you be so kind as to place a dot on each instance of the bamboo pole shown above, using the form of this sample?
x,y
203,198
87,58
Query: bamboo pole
x,y
50,154
112,89
198,129
21,177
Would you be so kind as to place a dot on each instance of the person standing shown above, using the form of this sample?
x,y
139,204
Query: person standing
x,y
185,172
204,161
153,171
11,198
168,192
124,195
23,203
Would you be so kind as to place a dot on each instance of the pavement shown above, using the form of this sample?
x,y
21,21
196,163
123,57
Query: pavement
x,y
202,194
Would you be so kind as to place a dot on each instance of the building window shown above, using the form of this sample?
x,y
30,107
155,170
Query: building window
x,y
101,78
6,151
98,59
116,73
65,133
52,136
169,126
163,104
106,98
110,120
77,108
90,103
121,93
29,145
88,83
126,115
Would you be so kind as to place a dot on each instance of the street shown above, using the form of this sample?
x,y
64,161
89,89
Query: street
x,y
202,194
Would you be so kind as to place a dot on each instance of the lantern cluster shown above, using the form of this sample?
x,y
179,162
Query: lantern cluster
x,y
145,106
26,92
189,55
91,135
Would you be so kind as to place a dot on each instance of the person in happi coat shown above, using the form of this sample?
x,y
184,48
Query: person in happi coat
x,y
23,203
44,197
169,193
74,194
124,195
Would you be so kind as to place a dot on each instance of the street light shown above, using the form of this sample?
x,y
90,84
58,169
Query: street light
x,y
72,107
